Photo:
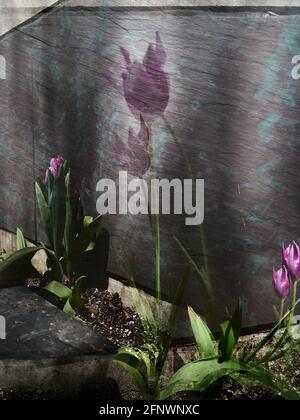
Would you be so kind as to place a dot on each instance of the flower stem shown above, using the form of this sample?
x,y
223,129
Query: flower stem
x,y
157,259
281,308
151,151
156,232
190,172
270,334
294,297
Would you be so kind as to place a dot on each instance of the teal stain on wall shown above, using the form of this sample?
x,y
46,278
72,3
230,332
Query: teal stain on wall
x,y
212,84
55,71
196,104
66,21
111,49
266,167
163,138
288,40
114,118
267,126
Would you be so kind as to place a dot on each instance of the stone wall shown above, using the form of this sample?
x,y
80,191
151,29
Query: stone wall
x,y
233,104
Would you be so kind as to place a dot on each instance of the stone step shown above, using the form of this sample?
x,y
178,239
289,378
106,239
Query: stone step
x,y
47,353
35,329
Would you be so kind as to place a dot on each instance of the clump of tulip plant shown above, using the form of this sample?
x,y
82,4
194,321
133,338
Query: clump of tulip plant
x,y
286,277
71,239
285,281
146,91
218,357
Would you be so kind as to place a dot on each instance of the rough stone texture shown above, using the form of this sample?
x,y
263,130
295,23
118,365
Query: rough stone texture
x,y
36,330
15,12
233,104
7,241
47,354
83,377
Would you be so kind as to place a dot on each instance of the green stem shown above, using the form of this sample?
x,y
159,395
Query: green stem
x,y
157,259
178,144
190,172
281,308
294,296
156,232
269,336
151,150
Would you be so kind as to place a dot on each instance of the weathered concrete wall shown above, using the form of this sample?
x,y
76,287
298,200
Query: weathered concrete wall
x,y
233,103
15,12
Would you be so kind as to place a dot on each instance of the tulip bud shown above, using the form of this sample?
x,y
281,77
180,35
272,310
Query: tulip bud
x,y
146,85
291,258
55,164
282,281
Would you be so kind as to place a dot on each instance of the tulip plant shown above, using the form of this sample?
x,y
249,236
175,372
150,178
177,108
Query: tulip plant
x,y
146,364
71,237
220,360
216,359
285,278
287,274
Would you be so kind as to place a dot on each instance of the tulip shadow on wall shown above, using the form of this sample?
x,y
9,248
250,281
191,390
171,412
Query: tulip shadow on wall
x,y
216,144
66,89
231,103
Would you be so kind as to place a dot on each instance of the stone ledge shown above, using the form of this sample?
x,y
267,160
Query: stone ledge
x,y
36,329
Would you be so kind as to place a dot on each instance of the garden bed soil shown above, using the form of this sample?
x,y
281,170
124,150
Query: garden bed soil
x,y
105,313
108,317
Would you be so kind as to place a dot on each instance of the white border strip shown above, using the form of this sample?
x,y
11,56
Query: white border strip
x,y
187,3
41,4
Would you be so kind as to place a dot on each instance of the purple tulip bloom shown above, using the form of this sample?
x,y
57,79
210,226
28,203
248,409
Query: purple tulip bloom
x,y
282,281
133,155
291,258
55,164
146,85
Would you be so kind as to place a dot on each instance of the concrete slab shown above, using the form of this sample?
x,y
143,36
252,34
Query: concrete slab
x,y
35,329
47,354
15,12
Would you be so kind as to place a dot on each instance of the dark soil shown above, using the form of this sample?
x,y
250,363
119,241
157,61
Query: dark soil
x,y
229,389
107,316
105,313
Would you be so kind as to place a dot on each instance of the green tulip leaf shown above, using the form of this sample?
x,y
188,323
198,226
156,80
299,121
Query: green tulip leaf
x,y
75,299
57,207
136,375
17,267
59,289
87,220
21,242
230,333
202,334
68,309
54,264
199,375
42,200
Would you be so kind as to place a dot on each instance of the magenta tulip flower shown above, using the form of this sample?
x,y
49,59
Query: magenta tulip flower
x,y
291,258
55,164
133,156
282,281
146,85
